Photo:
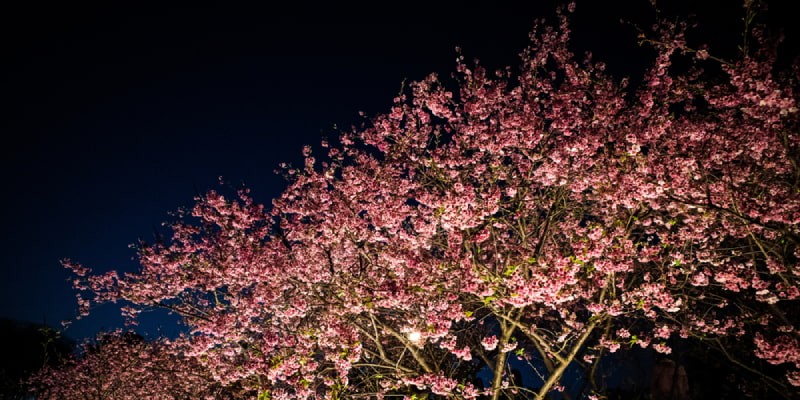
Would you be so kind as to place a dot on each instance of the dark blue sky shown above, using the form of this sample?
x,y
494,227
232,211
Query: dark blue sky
x,y
114,115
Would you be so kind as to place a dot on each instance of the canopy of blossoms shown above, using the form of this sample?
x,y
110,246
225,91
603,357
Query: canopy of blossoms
x,y
552,215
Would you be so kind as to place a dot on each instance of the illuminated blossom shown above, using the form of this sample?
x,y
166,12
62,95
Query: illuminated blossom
x,y
546,212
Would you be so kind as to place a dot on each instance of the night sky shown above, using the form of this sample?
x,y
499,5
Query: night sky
x,y
115,115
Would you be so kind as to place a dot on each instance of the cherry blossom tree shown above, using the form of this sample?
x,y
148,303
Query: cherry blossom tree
x,y
539,219
125,366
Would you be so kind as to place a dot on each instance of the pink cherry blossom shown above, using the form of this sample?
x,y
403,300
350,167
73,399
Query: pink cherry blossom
x,y
558,212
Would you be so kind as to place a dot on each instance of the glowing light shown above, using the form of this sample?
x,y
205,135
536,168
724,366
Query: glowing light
x,y
414,336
